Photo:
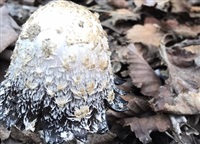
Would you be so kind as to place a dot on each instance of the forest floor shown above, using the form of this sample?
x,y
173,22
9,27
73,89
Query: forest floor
x,y
155,46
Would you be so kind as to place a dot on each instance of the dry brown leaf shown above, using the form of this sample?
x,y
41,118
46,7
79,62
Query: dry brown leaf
x,y
193,49
120,20
181,29
151,20
119,3
106,138
142,127
180,6
181,58
138,105
183,103
121,53
143,76
187,30
182,65
149,53
7,25
2,2
127,86
118,57
123,14
183,94
148,34
195,9
113,115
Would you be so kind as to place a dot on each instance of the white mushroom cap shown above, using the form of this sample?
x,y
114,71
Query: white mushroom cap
x,y
60,74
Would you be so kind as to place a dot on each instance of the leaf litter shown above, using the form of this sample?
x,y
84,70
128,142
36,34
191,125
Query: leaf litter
x,y
155,47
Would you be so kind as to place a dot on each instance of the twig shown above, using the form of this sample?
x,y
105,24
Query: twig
x,y
186,43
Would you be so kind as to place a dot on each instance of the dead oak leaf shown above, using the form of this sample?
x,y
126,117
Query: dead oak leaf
x,y
119,3
138,105
148,34
2,2
180,6
180,29
193,49
123,14
106,138
184,72
187,30
7,25
182,95
142,127
142,75
195,9
181,57
184,103
121,20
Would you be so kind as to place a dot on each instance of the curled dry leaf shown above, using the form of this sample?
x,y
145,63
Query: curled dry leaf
x,y
121,20
125,85
138,105
119,3
195,49
120,54
8,29
106,138
2,2
184,73
181,29
180,6
183,94
142,127
123,14
195,9
113,115
149,34
183,103
150,54
143,76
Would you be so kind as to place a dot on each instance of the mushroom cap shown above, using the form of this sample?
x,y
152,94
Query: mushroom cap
x,y
62,45
59,75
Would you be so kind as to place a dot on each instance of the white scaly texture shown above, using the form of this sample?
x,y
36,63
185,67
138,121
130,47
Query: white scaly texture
x,y
59,75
